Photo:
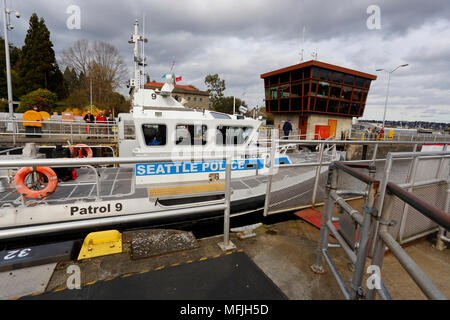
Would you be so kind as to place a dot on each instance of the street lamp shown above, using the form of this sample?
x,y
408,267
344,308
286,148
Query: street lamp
x,y
7,26
387,91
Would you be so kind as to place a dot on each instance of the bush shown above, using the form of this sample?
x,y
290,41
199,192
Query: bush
x,y
43,98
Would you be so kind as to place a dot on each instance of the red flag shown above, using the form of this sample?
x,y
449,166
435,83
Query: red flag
x,y
178,79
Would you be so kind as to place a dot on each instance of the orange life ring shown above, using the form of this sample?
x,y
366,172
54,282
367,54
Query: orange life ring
x,y
21,187
74,151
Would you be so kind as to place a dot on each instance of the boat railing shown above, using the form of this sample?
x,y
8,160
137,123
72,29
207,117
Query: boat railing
x,y
70,130
93,163
373,235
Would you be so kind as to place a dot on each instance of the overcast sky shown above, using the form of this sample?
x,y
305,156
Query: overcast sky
x,y
241,39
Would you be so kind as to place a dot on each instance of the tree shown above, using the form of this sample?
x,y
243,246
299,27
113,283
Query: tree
x,y
43,98
97,62
71,80
38,67
15,54
216,87
225,104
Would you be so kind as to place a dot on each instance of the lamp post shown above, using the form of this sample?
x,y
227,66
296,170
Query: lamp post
x,y
7,26
387,91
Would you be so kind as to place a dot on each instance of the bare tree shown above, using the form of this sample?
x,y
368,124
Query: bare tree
x,y
78,56
97,61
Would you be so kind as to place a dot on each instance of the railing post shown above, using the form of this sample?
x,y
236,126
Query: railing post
x,y
382,191
316,181
71,132
363,240
327,213
380,247
227,245
269,178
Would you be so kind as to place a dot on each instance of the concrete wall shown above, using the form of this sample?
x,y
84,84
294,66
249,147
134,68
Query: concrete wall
x,y
343,123
360,152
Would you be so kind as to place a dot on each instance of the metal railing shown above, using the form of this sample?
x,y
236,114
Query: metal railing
x,y
395,136
57,129
368,221
277,144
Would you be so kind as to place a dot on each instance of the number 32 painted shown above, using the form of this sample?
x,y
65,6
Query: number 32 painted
x,y
17,253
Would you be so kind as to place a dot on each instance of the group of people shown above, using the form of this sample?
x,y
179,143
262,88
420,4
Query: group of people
x,y
101,119
378,131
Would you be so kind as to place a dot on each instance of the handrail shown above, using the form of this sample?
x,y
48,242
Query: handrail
x,y
97,161
370,218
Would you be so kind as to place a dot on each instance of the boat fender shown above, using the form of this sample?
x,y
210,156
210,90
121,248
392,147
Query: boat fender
x,y
21,187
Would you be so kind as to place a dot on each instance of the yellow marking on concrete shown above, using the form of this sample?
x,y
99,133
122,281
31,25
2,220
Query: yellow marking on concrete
x,y
189,261
160,267
59,289
90,283
203,259
184,190
109,279
240,250
145,271
127,275
217,255
229,252
97,244
37,294
17,298
175,264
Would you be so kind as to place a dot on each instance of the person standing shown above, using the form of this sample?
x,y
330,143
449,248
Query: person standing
x,y
111,123
89,119
287,128
101,119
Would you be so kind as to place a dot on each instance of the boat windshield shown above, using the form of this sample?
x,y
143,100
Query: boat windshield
x,y
218,115
229,135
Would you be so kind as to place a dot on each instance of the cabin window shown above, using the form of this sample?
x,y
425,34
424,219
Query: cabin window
x,y
128,130
232,135
190,135
154,134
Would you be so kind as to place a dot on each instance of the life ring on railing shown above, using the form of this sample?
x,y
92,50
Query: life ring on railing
x,y
76,151
21,187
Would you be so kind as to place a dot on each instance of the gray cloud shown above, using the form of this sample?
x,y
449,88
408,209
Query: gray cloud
x,y
242,39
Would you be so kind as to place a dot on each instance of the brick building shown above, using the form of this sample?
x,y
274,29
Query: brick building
x,y
194,98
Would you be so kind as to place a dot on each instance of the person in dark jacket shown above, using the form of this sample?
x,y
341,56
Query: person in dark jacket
x,y
89,118
287,128
111,123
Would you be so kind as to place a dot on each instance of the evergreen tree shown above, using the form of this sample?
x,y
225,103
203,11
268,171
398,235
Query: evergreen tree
x,y
14,54
38,67
71,80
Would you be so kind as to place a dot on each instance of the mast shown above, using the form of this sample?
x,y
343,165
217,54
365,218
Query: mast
x,y
137,82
